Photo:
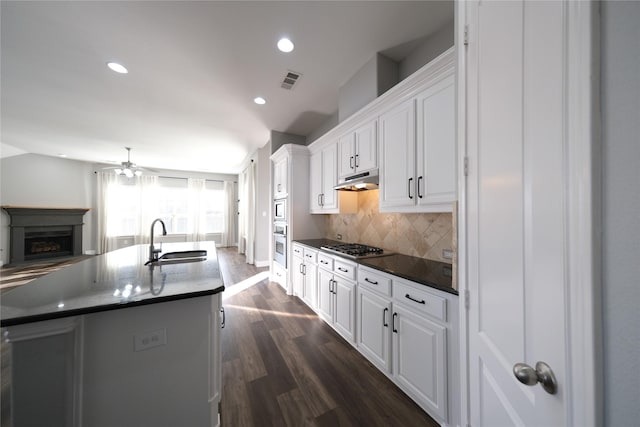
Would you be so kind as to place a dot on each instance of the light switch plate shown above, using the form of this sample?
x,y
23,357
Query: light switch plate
x,y
447,254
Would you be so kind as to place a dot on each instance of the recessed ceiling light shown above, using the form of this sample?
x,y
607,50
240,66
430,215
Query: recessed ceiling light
x,y
285,45
118,68
260,100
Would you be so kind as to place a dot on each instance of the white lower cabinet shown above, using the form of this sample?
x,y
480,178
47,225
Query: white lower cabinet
x,y
405,330
336,296
419,359
374,332
304,274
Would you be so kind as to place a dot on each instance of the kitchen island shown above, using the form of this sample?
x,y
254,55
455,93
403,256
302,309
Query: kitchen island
x,y
111,341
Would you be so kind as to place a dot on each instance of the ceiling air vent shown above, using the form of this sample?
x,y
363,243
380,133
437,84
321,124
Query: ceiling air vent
x,y
290,79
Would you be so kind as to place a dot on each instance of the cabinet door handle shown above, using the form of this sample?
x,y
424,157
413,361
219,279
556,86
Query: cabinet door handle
x,y
419,193
393,322
331,283
357,163
224,318
304,269
351,162
415,300
373,282
384,317
322,199
344,270
409,187
319,200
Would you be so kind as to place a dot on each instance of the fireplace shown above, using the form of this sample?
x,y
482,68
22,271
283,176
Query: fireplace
x,y
42,233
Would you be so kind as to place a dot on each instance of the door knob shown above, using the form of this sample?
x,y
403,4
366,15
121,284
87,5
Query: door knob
x,y
541,374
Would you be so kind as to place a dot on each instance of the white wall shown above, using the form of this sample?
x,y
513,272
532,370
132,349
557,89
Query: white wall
x,y
263,206
429,50
42,181
620,85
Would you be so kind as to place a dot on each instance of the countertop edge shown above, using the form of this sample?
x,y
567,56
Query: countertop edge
x,y
363,262
102,308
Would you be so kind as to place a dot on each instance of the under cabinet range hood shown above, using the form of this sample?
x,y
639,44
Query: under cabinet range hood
x,y
359,182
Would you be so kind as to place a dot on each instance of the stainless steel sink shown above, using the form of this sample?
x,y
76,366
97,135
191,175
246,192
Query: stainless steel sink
x,y
181,256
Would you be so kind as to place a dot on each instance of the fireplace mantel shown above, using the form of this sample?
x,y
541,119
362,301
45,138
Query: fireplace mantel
x,y
26,219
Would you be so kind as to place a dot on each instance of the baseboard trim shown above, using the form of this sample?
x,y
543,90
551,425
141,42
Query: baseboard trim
x,y
262,264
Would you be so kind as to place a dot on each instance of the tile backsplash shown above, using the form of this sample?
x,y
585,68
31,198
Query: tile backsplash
x,y
422,235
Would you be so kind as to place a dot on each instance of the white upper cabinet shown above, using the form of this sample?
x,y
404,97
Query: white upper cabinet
x,y
418,151
358,150
280,176
323,178
398,154
436,145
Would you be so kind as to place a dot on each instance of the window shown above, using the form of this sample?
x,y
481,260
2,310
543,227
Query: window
x,y
186,207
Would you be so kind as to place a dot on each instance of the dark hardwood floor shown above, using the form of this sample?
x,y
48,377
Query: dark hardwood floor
x,y
283,366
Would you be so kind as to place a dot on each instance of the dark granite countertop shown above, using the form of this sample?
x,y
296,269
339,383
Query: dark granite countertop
x,y
114,280
430,273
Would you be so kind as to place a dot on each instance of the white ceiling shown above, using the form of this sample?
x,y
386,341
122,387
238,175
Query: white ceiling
x,y
194,69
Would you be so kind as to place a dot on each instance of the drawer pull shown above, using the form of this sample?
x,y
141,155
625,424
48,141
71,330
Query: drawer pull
x,y
324,262
415,300
373,282
344,270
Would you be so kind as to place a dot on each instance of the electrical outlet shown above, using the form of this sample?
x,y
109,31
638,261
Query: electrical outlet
x,y
447,254
339,237
149,340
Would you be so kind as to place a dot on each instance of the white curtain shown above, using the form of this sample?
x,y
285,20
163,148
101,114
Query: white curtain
x,y
147,187
197,209
251,213
229,212
242,211
247,226
106,243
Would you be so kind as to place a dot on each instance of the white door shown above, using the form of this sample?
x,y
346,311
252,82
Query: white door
x,y
516,213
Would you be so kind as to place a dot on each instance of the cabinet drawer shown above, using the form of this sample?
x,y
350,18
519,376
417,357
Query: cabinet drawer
x,y
297,250
420,299
374,280
325,261
344,269
310,256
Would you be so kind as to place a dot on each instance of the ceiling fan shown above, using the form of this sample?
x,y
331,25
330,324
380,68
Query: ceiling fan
x,y
127,168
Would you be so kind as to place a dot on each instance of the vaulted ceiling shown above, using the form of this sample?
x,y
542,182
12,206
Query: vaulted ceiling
x,y
194,70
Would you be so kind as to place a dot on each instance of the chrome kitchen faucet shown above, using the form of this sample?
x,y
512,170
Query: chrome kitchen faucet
x,y
153,252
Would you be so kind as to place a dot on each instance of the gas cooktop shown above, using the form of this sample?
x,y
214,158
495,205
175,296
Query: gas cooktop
x,y
355,250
